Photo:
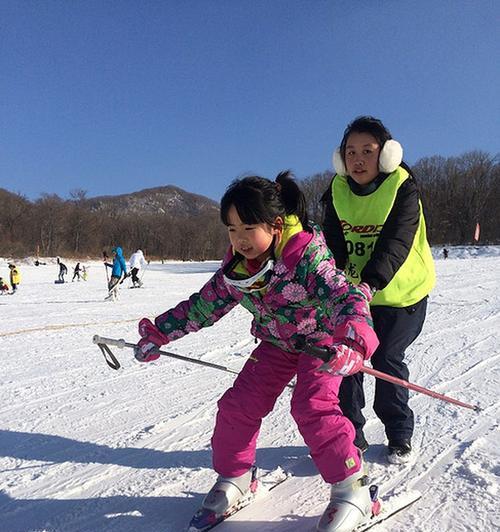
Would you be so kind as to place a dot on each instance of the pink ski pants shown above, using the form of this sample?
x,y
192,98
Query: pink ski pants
x,y
314,407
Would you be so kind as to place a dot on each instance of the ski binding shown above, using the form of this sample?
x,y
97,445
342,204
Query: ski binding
x,y
204,519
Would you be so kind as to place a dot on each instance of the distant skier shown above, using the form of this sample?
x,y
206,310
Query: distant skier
x,y
4,287
137,261
118,273
279,268
76,272
445,253
84,273
15,277
63,270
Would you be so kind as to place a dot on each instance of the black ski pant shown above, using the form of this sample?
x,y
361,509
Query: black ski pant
x,y
396,329
134,272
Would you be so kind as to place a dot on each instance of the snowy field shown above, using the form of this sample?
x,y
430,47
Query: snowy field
x,y
86,448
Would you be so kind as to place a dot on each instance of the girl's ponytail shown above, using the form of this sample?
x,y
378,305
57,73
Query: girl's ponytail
x,y
292,196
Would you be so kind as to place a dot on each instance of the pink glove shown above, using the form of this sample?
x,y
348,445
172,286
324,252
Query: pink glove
x,y
346,360
152,338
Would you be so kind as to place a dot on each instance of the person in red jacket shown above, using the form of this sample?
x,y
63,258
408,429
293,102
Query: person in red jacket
x,y
4,287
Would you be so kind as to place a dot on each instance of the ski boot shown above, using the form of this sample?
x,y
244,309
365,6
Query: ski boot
x,y
352,502
399,451
227,496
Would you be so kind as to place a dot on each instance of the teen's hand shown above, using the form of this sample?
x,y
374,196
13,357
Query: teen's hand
x,y
367,290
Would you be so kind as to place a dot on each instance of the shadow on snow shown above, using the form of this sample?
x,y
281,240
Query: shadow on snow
x,y
57,449
120,513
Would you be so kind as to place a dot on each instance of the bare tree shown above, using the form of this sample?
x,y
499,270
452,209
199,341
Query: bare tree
x,y
50,217
14,211
314,187
457,192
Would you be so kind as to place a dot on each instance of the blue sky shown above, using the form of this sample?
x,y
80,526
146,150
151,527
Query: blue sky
x,y
117,96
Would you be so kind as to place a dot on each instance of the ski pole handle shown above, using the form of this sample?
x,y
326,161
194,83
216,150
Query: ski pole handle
x,y
120,343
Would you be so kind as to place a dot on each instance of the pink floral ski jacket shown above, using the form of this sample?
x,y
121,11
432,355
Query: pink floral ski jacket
x,y
306,298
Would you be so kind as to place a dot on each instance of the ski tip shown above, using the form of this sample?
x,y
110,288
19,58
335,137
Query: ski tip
x,y
204,520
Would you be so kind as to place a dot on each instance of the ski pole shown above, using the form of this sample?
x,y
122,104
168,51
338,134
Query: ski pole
x,y
143,273
105,259
417,388
325,355
113,363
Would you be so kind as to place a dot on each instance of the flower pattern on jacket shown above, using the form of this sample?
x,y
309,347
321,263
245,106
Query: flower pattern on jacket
x,y
306,297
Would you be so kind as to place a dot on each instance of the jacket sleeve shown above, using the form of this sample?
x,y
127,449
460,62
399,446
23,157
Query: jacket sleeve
x,y
396,238
332,230
123,265
202,309
345,307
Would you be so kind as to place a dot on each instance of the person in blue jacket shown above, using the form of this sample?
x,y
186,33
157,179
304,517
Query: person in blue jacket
x,y
118,273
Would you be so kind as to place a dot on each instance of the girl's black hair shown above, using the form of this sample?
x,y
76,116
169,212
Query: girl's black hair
x,y
366,124
260,200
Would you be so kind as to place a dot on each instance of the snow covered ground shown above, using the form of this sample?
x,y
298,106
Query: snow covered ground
x,y
86,448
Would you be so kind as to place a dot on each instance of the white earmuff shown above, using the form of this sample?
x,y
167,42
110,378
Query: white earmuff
x,y
338,163
391,156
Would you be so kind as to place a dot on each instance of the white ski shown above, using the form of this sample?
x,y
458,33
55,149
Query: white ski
x,y
289,508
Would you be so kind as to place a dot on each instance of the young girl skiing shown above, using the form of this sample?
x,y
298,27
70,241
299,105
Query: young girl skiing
x,y
279,268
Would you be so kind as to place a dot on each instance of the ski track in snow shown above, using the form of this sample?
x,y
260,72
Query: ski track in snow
x,y
85,448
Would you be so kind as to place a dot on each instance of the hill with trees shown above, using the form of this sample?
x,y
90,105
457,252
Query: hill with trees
x,y
170,223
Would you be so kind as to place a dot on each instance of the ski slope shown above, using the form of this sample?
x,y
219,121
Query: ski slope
x,y
85,448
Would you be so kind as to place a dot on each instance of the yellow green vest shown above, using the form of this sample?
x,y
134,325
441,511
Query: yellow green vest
x,y
362,218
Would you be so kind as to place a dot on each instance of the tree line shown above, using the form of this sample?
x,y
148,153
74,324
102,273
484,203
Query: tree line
x,y
457,193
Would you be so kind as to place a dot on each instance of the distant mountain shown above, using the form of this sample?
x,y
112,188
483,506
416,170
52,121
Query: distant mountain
x,y
168,200
6,195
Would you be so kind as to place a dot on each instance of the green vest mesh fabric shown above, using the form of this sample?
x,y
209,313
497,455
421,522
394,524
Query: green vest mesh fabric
x,y
362,218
